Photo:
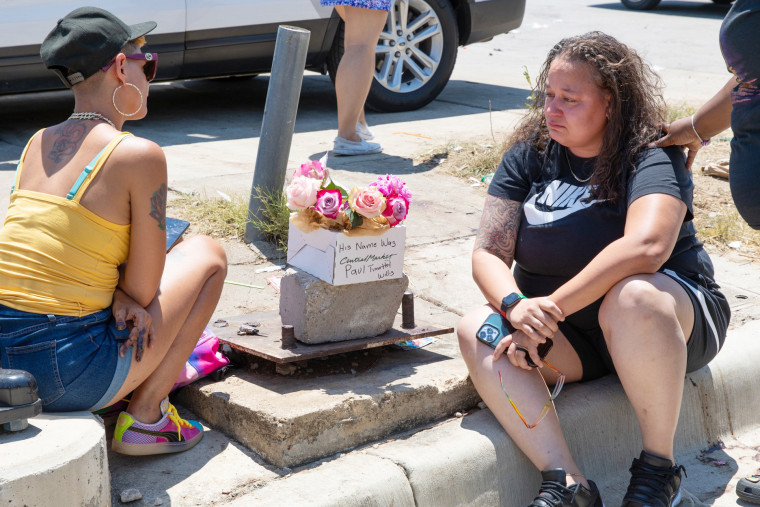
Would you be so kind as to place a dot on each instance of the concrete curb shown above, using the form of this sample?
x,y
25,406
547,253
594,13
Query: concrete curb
x,y
58,460
471,461
356,479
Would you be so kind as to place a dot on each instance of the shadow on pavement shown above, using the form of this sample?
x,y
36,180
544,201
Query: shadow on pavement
x,y
379,164
197,111
165,471
383,370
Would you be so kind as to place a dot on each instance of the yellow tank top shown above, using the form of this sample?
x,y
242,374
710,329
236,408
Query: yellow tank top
x,y
56,256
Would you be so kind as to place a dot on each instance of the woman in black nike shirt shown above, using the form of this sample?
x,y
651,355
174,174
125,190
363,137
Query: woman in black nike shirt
x,y
607,266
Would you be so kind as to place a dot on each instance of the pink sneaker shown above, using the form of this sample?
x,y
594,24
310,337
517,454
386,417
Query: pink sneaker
x,y
170,434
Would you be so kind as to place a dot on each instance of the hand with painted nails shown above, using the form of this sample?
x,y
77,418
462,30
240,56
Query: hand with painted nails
x,y
126,311
680,133
536,317
519,347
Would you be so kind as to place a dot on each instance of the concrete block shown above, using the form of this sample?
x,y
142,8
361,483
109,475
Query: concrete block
x,y
60,459
320,312
356,479
295,419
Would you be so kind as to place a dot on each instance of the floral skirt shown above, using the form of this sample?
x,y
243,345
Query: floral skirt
x,y
378,5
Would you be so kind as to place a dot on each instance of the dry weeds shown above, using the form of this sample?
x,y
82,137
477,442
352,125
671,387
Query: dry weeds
x,y
220,217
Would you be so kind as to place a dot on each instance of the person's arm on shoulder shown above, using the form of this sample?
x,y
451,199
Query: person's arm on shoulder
x,y
147,184
712,118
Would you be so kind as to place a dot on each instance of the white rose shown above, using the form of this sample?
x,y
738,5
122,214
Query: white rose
x,y
302,192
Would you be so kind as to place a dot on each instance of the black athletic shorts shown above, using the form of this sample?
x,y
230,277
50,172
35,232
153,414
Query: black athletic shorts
x,y
711,318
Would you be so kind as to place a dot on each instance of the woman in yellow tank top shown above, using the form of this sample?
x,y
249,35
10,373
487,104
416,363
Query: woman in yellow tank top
x,y
90,303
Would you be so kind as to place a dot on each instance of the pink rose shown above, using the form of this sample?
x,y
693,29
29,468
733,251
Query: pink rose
x,y
396,209
368,202
329,203
390,185
302,192
312,169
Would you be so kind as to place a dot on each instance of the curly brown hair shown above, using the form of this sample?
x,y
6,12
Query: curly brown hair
x,y
636,107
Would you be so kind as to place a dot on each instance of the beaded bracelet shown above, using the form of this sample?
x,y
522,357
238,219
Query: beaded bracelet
x,y
704,143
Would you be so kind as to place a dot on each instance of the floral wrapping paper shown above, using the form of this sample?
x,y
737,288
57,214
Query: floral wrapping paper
x,y
378,5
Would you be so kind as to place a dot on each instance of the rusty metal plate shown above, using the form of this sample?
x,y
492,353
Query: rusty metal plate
x,y
269,345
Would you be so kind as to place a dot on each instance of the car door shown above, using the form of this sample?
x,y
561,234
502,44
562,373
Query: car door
x,y
25,23
237,36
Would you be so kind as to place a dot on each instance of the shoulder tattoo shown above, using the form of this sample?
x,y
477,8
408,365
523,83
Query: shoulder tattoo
x,y
498,228
68,141
158,206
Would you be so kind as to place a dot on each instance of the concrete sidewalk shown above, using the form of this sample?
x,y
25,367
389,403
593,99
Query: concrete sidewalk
x,y
462,459
458,460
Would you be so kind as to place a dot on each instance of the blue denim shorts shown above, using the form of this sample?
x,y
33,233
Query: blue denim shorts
x,y
75,360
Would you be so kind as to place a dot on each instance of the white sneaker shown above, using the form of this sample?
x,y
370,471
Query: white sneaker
x,y
363,131
345,147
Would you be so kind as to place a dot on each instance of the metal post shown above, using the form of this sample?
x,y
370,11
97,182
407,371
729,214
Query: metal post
x,y
407,311
288,337
279,118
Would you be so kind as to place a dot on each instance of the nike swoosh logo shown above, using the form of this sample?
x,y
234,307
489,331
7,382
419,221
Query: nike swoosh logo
x,y
557,201
171,436
543,207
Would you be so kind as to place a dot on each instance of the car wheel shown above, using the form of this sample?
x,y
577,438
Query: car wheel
x,y
414,58
641,5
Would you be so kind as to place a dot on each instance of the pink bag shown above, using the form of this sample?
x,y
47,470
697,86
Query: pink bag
x,y
205,359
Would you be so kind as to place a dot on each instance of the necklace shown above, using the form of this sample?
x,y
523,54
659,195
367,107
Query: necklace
x,y
91,116
569,165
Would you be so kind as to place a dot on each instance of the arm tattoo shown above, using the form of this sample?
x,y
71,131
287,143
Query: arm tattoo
x,y
68,142
498,228
158,206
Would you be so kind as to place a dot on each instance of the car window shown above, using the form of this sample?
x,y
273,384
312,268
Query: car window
x,y
205,14
27,22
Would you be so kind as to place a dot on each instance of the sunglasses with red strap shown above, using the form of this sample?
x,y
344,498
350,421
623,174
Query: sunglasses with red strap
x,y
150,67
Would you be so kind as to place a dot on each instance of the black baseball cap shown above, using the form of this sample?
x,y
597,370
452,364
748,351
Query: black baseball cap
x,y
85,40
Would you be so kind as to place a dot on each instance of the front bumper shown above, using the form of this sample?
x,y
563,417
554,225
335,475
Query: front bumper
x,y
489,18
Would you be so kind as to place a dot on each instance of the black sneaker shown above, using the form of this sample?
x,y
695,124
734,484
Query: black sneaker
x,y
655,482
748,488
555,493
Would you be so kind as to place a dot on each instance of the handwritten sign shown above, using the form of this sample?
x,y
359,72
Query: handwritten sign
x,y
340,259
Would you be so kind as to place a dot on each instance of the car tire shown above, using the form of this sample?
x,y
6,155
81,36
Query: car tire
x,y
412,78
641,5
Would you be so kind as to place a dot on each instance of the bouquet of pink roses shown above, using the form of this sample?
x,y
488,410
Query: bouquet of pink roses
x,y
321,203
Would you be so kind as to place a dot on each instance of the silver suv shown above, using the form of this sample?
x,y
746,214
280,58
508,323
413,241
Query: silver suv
x,y
199,39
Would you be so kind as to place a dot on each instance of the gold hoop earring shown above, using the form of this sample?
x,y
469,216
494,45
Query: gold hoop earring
x,y
113,99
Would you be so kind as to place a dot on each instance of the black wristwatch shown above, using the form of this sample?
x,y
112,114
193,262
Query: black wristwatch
x,y
509,301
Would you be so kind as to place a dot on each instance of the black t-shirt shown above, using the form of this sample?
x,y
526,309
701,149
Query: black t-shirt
x,y
740,43
739,39
560,233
